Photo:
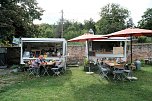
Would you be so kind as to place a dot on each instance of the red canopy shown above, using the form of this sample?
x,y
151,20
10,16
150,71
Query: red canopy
x,y
131,32
87,37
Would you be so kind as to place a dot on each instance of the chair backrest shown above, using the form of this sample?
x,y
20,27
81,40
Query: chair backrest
x,y
60,64
100,66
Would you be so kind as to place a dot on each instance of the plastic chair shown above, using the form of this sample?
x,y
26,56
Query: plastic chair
x,y
118,75
56,71
46,70
103,71
121,73
34,71
31,71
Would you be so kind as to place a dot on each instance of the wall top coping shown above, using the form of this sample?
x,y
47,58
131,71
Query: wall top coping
x,y
143,44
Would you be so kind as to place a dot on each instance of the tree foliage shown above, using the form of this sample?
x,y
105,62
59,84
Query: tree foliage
x,y
16,18
113,18
146,21
70,30
90,24
46,31
130,23
73,29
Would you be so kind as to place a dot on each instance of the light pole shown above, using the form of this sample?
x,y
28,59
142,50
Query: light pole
x,y
62,24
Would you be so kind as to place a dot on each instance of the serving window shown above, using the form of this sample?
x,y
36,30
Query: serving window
x,y
47,49
104,47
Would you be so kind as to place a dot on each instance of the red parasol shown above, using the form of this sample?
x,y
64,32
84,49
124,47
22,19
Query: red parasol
x,y
129,32
87,37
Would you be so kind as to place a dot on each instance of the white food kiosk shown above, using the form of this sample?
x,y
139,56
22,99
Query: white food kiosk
x,y
115,47
50,48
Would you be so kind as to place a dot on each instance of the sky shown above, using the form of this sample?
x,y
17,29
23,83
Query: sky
x,y
80,10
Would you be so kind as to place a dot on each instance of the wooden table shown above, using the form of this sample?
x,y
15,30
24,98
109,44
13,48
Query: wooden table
x,y
46,66
112,64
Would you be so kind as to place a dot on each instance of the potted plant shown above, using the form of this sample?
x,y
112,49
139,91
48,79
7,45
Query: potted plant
x,y
85,63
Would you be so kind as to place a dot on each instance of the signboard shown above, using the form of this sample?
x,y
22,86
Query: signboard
x,y
16,41
118,50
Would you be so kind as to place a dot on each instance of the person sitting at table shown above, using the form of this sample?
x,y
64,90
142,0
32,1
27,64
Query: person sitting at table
x,y
120,60
60,64
37,64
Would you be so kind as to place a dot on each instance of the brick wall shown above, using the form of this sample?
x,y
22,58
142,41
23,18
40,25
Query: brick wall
x,y
75,54
140,51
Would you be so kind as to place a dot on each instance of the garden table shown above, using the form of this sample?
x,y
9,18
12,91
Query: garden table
x,y
46,66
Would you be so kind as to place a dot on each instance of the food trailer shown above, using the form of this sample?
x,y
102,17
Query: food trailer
x,y
115,47
50,48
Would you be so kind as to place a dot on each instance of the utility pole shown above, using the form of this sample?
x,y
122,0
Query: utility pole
x,y
62,24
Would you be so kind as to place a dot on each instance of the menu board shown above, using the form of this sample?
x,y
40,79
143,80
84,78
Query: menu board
x,y
118,50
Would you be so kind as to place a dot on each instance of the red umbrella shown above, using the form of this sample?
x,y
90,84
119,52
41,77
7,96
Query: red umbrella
x,y
129,32
87,37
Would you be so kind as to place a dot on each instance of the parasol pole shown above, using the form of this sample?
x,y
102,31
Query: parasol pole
x,y
131,54
88,53
131,47
87,41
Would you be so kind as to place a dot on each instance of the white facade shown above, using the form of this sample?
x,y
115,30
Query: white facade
x,y
102,53
29,44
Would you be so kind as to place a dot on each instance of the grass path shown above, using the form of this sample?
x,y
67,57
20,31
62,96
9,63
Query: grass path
x,y
76,85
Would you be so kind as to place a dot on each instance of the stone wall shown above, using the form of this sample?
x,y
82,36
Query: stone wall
x,y
75,54
140,51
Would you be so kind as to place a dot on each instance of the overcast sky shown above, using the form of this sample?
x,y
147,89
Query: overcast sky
x,y
80,10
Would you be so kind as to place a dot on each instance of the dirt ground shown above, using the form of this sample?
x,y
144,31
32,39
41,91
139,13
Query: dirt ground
x,y
4,71
7,78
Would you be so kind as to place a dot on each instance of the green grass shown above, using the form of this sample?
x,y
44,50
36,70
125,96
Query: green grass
x,y
76,85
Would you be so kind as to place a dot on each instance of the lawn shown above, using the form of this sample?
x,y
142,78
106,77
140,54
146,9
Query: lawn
x,y
75,85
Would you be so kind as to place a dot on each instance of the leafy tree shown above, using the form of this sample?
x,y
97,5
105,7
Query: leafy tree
x,y
16,18
130,23
46,31
146,21
90,24
59,30
113,18
73,29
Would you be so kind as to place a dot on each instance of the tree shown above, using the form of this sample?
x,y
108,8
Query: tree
x,y
89,24
72,29
16,17
45,31
113,18
146,21
130,23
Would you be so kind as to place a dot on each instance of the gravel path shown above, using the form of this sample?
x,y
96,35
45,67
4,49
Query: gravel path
x,y
4,71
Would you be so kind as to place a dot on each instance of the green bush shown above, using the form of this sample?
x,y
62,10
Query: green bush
x,y
142,39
